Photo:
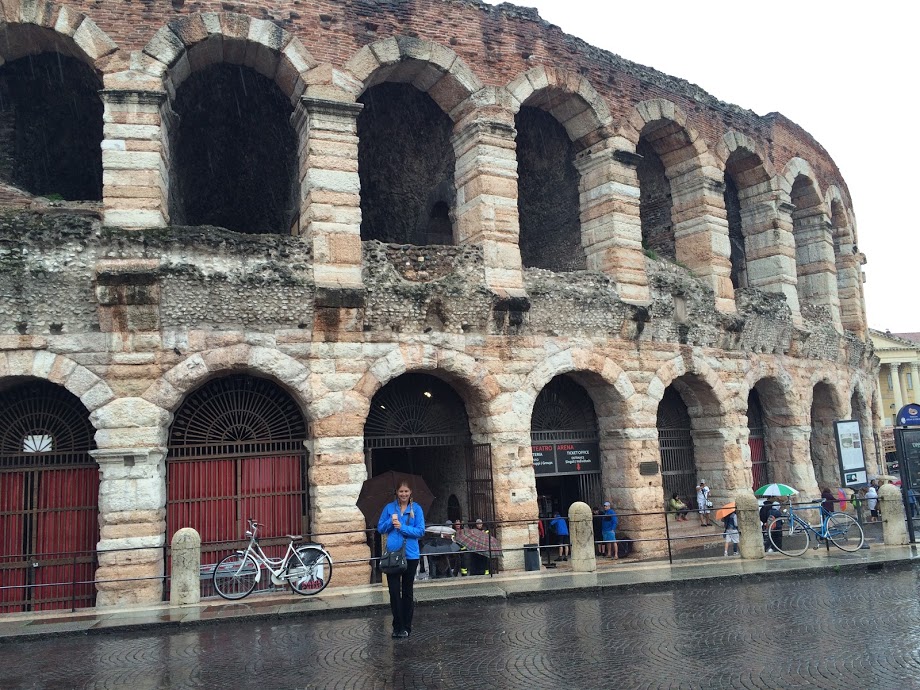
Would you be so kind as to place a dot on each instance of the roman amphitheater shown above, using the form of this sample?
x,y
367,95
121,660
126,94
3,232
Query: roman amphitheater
x,y
252,254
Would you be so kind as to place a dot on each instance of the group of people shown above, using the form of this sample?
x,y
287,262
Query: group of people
x,y
703,505
605,536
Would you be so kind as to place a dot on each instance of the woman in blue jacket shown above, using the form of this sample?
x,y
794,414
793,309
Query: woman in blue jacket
x,y
402,522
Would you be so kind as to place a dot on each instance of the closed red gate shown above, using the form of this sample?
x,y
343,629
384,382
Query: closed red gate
x,y
236,452
49,487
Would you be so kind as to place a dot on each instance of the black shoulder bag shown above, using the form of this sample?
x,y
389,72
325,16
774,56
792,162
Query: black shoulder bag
x,y
394,562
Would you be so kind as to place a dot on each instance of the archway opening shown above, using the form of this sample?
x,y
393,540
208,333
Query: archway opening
x,y
49,492
564,439
675,445
234,153
51,127
418,425
654,202
823,449
236,451
735,234
548,201
406,167
757,433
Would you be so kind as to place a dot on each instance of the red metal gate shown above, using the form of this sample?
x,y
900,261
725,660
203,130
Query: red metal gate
x,y
49,488
236,452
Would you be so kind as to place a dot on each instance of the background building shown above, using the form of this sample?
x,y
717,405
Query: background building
x,y
248,261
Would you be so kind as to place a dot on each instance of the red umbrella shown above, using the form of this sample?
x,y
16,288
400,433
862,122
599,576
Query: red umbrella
x,y
478,540
377,491
842,496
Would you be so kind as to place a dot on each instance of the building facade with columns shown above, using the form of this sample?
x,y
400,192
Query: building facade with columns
x,y
898,376
280,254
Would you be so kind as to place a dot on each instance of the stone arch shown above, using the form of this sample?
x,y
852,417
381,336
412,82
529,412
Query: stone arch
x,y
472,381
207,38
840,218
568,97
680,194
828,400
814,249
707,391
92,391
51,27
428,66
173,386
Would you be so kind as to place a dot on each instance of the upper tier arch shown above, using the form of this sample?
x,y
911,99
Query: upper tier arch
x,y
30,28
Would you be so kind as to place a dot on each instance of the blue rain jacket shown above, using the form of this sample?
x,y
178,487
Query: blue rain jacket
x,y
413,527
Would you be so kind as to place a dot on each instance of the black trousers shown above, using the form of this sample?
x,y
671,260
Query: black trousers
x,y
402,603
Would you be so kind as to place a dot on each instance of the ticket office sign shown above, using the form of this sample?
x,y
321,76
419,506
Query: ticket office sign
x,y
565,458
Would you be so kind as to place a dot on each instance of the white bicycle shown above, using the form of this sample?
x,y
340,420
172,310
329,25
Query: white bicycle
x,y
307,568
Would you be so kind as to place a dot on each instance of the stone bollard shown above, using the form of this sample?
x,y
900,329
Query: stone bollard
x,y
894,519
581,536
750,542
185,577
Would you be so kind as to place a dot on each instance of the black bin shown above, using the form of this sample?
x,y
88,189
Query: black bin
x,y
531,557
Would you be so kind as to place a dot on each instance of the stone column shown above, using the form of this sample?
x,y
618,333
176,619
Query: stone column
x,y
337,471
849,294
135,159
132,525
814,253
486,182
895,370
611,229
750,541
790,457
625,454
768,242
701,231
514,488
330,195
914,374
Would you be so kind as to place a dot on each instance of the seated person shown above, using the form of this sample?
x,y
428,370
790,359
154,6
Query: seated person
x,y
678,507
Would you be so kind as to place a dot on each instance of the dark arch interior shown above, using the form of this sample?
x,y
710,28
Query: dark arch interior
x,y
654,202
735,233
51,127
234,153
563,405
675,444
548,204
416,410
755,412
406,166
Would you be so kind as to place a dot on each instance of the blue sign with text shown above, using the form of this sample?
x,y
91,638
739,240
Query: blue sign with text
x,y
909,415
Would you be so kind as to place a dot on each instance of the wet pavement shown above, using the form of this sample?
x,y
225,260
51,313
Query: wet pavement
x,y
825,628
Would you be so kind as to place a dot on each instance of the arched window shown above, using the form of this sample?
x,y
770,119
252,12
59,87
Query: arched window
x,y
735,234
654,202
406,166
548,203
234,153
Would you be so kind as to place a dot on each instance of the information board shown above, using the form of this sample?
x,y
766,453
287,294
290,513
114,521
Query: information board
x,y
850,452
565,458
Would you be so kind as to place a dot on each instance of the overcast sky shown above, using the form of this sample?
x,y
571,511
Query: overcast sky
x,y
845,71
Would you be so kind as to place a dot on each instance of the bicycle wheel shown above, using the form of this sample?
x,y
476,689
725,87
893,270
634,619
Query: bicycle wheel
x,y
309,570
789,535
235,576
844,532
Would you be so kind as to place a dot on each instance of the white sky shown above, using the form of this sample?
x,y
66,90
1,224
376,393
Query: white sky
x,y
845,71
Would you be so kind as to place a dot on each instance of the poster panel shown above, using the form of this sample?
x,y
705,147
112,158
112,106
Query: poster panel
x,y
850,452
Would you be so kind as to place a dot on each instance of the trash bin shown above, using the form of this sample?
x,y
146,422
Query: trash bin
x,y
531,557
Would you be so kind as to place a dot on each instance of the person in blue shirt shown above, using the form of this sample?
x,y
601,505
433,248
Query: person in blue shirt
x,y
402,522
608,527
561,528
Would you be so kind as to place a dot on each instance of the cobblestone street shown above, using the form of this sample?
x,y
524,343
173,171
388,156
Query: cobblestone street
x,y
842,631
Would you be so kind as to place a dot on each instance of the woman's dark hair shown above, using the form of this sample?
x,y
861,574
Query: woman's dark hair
x,y
674,495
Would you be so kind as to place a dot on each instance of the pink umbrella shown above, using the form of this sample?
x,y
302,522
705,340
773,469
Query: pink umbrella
x,y
842,496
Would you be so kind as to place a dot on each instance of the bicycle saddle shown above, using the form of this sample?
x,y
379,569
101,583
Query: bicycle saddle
x,y
294,537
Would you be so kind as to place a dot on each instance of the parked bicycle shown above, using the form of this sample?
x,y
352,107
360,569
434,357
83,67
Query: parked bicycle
x,y
307,568
789,534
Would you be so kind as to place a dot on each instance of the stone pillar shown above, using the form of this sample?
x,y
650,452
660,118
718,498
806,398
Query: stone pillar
x,y
849,278
581,530
750,542
514,487
486,182
895,370
135,159
185,575
768,242
790,456
914,374
330,191
701,231
611,229
894,518
624,454
337,471
132,525
814,253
